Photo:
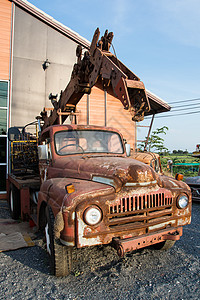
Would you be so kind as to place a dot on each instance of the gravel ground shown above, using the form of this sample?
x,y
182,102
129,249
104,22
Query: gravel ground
x,y
98,273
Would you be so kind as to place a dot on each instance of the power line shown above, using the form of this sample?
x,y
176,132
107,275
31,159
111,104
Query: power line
x,y
173,110
195,106
190,113
195,99
184,109
185,105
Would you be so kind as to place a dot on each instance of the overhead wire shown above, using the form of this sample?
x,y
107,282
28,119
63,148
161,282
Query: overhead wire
x,y
185,105
181,101
181,109
194,106
189,113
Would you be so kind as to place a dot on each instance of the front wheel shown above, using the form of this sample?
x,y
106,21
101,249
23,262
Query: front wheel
x,y
60,256
166,245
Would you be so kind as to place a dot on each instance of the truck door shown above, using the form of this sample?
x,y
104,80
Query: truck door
x,y
45,159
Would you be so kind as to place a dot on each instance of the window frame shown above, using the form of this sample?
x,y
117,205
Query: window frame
x,y
95,153
5,135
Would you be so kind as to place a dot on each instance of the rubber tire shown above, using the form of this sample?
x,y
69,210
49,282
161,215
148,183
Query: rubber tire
x,y
166,245
14,202
60,255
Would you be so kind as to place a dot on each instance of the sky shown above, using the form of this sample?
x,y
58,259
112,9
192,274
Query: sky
x,y
159,41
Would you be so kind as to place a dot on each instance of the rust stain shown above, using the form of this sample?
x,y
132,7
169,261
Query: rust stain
x,y
58,224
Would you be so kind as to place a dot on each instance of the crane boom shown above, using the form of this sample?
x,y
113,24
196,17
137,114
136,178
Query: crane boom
x,y
97,62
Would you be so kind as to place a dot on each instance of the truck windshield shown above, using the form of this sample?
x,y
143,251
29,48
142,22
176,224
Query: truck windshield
x,y
88,141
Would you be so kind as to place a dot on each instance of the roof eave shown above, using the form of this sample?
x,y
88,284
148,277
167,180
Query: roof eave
x,y
157,104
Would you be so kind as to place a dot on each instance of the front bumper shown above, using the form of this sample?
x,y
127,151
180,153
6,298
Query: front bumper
x,y
130,244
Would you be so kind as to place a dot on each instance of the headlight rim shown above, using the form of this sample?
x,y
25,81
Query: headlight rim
x,y
178,199
87,209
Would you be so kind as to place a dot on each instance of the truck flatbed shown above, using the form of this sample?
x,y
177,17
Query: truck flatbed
x,y
26,181
24,184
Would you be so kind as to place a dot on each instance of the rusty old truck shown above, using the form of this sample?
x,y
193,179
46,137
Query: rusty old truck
x,y
82,188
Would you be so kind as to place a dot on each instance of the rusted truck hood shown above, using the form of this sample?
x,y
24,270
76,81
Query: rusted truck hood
x,y
120,170
112,170
55,189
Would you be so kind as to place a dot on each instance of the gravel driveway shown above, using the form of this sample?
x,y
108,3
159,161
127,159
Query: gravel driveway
x,y
99,274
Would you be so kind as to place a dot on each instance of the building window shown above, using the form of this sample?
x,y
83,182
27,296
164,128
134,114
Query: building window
x,y
3,133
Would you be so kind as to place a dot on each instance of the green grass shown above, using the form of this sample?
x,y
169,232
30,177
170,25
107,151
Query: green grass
x,y
187,171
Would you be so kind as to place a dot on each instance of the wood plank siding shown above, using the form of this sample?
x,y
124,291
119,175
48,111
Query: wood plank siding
x,y
120,119
116,116
5,30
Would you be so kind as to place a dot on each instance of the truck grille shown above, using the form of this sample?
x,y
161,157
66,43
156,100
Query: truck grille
x,y
141,210
140,202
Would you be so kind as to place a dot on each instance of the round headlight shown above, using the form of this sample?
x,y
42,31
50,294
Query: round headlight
x,y
182,201
92,215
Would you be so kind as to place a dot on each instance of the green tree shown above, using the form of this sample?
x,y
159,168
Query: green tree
x,y
155,142
180,152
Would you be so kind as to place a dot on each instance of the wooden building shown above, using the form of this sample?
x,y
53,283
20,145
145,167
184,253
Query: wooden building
x,y
37,55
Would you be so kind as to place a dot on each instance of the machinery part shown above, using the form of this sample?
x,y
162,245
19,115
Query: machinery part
x,y
99,63
60,256
24,151
166,245
14,202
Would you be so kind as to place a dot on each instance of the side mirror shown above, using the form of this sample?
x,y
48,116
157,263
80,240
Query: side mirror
x,y
43,152
128,149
